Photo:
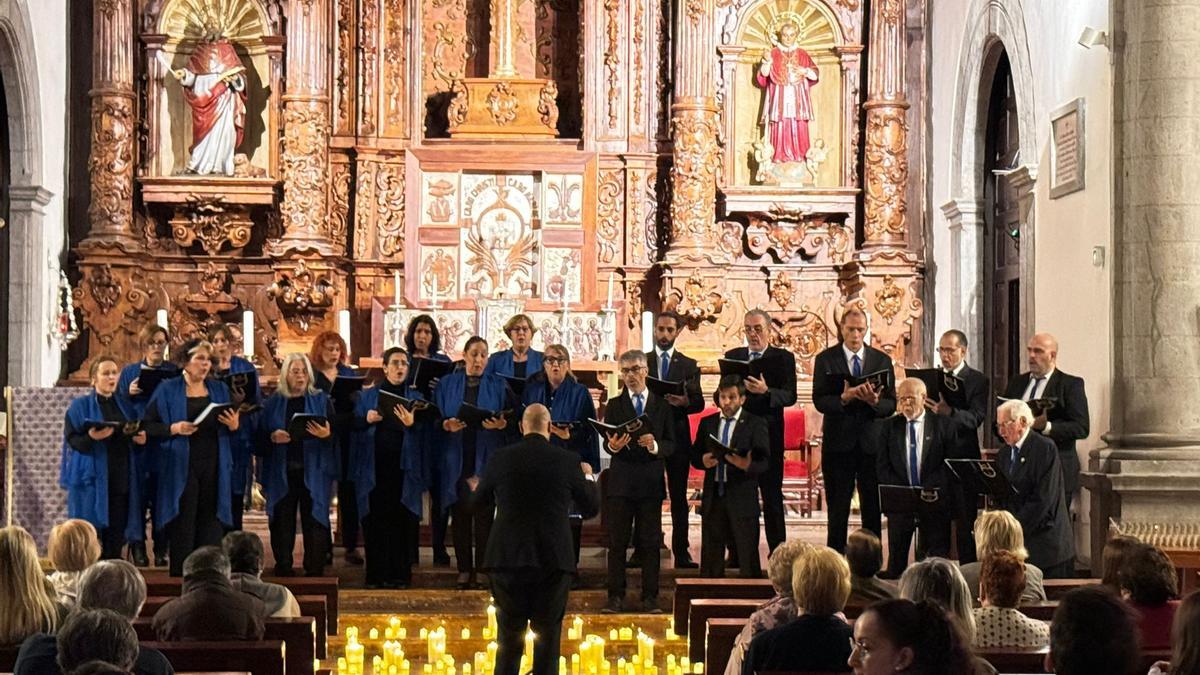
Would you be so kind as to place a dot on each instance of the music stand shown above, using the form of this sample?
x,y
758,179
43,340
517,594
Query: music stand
x,y
982,477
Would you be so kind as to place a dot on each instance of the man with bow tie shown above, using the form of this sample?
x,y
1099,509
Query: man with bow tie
x,y
913,453
1067,421
1030,462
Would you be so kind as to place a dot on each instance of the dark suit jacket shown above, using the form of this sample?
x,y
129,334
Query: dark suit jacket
x,y
686,370
781,392
210,608
1039,503
634,472
1069,420
850,427
891,464
966,421
532,484
741,487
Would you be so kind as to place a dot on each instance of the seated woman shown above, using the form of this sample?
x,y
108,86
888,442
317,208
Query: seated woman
x,y
1000,531
778,610
998,623
26,596
520,361
73,547
298,473
902,636
818,639
1148,583
864,553
1185,640
1115,550
99,463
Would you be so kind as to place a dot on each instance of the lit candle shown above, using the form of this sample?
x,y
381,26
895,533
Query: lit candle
x,y
491,621
396,288
466,633
647,332
577,624
247,333
609,304
613,635
529,636
344,326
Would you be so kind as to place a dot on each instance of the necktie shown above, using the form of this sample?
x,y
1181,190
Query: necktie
x,y
726,423
1012,459
856,366
637,404
1037,384
664,365
755,355
914,466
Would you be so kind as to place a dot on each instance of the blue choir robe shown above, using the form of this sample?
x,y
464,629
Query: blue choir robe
x,y
242,441
170,399
85,476
321,464
130,373
145,457
501,363
425,431
572,403
448,397
362,456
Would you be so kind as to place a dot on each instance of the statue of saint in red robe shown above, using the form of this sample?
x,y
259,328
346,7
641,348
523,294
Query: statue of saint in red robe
x,y
215,88
787,72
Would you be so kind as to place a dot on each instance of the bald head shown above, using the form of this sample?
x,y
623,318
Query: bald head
x,y
536,420
1043,354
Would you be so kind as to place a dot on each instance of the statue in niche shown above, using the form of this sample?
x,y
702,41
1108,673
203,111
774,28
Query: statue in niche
x,y
215,88
787,73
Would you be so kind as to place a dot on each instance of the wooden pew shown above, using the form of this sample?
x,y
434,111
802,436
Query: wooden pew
x,y
1056,588
297,635
312,606
687,590
161,584
260,658
718,643
703,609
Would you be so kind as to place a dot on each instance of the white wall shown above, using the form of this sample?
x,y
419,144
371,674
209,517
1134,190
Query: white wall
x,y
1072,298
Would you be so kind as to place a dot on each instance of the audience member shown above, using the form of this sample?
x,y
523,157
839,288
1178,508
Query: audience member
x,y
998,623
939,580
245,552
900,636
1093,632
864,553
73,547
109,584
27,603
1147,582
1185,640
778,610
96,635
818,639
98,668
1114,552
1000,531
209,608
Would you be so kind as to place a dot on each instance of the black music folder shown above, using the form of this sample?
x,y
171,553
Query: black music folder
x,y
938,382
981,477
910,499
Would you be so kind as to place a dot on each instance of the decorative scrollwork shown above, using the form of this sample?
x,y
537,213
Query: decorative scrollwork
x,y
548,104
113,302
609,214
302,295
694,174
502,104
889,299
306,128
394,61
212,222
781,290
456,113
887,173
389,205
111,164
638,82
339,208
697,302
612,58
368,46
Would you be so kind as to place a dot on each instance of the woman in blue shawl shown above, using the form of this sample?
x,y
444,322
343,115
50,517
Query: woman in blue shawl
x,y
98,468
328,357
519,361
297,473
423,341
388,475
571,406
242,379
466,449
152,340
195,461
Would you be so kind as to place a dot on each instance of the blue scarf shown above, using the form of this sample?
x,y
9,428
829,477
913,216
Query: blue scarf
x,y
320,460
448,397
501,363
170,400
85,476
572,403
242,442
362,457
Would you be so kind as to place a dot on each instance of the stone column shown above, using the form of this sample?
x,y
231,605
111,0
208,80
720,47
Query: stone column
x,y
114,130
306,129
886,164
1148,479
694,131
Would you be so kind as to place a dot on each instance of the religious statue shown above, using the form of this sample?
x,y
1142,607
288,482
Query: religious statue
x,y
787,73
215,88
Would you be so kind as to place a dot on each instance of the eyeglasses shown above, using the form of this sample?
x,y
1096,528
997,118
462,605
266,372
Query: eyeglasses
x,y
860,647
906,399
755,328
156,343
632,370
554,360
1007,423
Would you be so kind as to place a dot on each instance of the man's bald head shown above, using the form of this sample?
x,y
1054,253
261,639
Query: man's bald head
x,y
1043,353
536,420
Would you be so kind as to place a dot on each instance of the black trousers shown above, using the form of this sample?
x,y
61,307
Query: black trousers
x,y
770,487
965,511
469,527
197,523
622,513
389,531
842,471
718,527
347,503
933,539
534,597
439,517
149,514
283,529
112,538
237,505
678,466
1062,570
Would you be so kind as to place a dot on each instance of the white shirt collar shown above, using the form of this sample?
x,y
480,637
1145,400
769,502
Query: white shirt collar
x,y
645,393
737,416
920,419
1021,441
1045,378
661,352
959,368
850,355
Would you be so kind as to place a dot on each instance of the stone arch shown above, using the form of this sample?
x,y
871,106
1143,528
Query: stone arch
x,y
993,27
30,276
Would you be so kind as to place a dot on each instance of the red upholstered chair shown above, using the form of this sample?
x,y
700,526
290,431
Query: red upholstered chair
x,y
799,483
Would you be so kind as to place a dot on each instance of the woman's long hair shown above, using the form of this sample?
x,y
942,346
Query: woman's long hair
x,y
27,605
1185,637
435,345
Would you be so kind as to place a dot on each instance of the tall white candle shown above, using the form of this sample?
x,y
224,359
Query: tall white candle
x,y
247,333
647,332
160,317
344,326
396,288
608,305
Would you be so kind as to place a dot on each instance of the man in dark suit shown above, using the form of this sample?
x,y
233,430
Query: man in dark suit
x,y
529,553
633,487
767,397
913,453
850,431
965,423
1068,420
729,509
667,363
1030,462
